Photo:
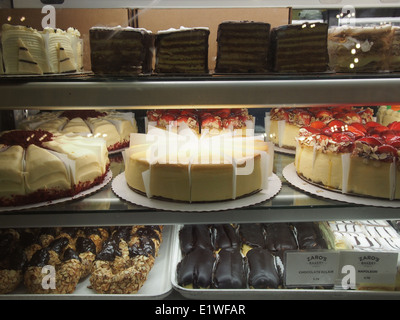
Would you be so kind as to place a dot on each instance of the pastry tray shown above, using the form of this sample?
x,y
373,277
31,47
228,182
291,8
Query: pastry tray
x,y
271,294
157,286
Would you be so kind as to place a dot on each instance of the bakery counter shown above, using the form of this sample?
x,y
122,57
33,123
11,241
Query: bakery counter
x,y
104,207
145,92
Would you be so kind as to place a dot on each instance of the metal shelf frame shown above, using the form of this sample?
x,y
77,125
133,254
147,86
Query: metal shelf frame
x,y
198,92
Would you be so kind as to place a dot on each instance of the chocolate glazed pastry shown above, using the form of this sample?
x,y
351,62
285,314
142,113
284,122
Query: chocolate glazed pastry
x,y
263,273
224,236
229,272
308,236
279,237
196,268
193,236
67,266
124,263
12,261
252,236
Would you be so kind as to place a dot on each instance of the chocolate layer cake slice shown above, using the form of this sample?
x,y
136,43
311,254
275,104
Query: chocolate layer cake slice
x,y
183,50
242,47
118,50
300,48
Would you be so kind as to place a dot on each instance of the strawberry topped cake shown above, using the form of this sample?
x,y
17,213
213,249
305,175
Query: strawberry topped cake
x,y
359,159
204,121
282,124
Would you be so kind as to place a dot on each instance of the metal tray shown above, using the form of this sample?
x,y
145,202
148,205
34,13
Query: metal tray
x,y
157,286
271,294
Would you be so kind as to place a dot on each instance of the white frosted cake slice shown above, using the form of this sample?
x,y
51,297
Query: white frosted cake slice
x,y
11,171
23,50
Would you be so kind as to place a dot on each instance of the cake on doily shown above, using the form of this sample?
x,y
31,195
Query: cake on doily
x,y
187,168
360,159
282,125
28,51
114,127
37,166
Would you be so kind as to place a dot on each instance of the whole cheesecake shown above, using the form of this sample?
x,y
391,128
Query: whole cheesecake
x,y
353,159
115,127
37,166
203,170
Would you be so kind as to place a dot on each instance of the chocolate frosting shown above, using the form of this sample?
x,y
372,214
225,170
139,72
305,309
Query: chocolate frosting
x,y
263,273
192,236
196,268
224,236
229,270
279,237
252,234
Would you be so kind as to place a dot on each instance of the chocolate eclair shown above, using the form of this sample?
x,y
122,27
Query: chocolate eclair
x,y
224,236
196,268
229,272
193,236
263,272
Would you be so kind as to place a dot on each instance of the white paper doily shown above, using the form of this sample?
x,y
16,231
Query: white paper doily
x,y
122,190
290,174
82,194
284,150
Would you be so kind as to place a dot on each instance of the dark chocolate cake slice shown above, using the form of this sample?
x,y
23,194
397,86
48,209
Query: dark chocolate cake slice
x,y
121,51
183,51
242,47
300,48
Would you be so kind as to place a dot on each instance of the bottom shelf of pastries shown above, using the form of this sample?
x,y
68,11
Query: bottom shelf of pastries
x,y
248,260
104,261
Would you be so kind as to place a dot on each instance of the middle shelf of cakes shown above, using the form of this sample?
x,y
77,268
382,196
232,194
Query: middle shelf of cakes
x,y
199,91
105,208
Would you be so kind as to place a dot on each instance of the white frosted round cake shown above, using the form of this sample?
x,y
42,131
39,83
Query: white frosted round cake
x,y
282,125
114,127
172,167
37,166
353,159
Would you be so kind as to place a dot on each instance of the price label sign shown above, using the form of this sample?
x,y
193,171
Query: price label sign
x,y
367,270
311,268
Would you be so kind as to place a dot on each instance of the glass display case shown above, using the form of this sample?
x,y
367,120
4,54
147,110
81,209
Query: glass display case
x,y
257,92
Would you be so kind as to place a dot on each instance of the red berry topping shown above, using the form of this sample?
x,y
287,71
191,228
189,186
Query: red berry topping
x,y
372,141
394,126
323,114
336,123
223,113
387,149
317,124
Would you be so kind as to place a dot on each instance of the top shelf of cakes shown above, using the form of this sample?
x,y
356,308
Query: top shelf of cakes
x,y
350,66
251,91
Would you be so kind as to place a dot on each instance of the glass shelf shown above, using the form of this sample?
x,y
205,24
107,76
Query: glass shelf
x,y
105,208
143,92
